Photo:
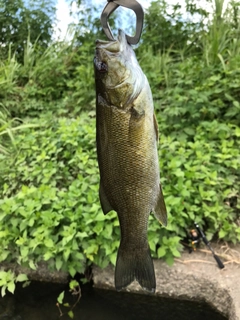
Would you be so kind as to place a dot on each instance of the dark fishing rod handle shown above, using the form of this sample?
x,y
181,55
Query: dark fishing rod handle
x,y
219,262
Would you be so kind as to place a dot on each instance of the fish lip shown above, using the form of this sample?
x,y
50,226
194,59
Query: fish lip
x,y
115,46
122,37
100,60
108,46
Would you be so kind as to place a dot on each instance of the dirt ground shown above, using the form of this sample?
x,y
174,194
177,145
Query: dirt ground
x,y
194,277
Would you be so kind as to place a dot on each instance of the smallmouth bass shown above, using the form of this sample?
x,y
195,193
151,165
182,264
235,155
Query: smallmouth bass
x,y
127,138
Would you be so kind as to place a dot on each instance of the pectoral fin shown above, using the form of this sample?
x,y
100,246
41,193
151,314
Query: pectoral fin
x,y
160,210
135,130
106,207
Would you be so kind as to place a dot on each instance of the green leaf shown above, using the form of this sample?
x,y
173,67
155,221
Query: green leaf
x,y
11,287
72,271
175,252
21,277
161,252
48,255
24,251
3,291
221,233
71,314
66,254
61,297
73,284
169,260
59,263
49,243
26,284
236,104
67,305
32,265
112,259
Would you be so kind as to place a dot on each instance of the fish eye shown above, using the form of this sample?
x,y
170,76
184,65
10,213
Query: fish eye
x,y
101,66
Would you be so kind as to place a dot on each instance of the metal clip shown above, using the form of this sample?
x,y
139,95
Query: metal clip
x,y
111,6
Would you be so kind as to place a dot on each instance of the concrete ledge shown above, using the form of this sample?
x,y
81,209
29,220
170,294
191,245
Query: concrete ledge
x,y
197,280
41,274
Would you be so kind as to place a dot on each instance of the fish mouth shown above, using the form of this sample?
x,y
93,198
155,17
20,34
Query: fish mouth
x,y
107,49
113,46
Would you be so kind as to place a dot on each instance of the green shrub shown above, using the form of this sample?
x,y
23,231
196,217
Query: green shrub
x,y
200,177
60,77
8,127
188,92
49,208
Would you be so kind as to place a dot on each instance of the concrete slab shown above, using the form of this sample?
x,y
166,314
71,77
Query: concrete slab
x,y
194,277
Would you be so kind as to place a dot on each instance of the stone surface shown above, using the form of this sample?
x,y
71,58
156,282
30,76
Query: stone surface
x,y
194,277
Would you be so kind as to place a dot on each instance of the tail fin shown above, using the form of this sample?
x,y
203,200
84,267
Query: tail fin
x,y
135,264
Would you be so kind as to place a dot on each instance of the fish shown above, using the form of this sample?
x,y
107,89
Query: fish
x,y
127,142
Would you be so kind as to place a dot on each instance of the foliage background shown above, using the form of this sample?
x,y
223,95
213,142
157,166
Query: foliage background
x,y
49,206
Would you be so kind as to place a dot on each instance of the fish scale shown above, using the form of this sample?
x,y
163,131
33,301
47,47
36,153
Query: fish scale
x,y
123,168
127,137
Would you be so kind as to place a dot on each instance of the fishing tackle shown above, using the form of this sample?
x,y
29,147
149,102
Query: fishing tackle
x,y
195,236
195,239
111,6
207,243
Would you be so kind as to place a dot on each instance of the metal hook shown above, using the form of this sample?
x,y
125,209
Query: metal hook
x,y
111,6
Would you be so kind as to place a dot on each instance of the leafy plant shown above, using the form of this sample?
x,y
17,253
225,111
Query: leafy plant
x,y
7,128
19,19
8,281
75,290
49,207
63,188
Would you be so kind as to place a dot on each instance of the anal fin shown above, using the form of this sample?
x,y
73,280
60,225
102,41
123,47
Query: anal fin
x,y
160,210
106,207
